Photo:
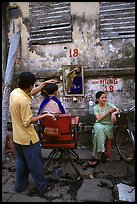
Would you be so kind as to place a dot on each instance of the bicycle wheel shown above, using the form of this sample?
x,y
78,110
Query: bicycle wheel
x,y
131,132
125,144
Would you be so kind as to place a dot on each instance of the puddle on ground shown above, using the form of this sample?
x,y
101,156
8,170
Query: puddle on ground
x,y
126,192
74,187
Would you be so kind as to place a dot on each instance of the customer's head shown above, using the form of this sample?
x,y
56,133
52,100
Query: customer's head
x,y
99,94
50,89
26,79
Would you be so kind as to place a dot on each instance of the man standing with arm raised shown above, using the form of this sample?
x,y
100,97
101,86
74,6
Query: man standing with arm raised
x,y
25,138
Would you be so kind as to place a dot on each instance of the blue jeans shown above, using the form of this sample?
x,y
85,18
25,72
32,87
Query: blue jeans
x,y
29,160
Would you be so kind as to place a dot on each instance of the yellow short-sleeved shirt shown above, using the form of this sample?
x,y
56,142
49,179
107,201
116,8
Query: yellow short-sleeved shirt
x,y
69,79
19,106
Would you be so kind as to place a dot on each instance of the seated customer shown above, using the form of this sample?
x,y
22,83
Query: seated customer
x,y
103,126
51,103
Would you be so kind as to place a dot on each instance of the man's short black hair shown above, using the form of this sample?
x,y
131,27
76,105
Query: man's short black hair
x,y
26,79
78,71
50,88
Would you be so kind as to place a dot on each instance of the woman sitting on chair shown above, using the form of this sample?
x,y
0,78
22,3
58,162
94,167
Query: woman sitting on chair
x,y
103,127
51,104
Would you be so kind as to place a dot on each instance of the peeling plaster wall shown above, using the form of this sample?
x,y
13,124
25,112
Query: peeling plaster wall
x,y
93,53
101,59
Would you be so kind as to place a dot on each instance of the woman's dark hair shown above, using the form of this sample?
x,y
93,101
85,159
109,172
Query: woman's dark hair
x,y
26,79
50,88
98,94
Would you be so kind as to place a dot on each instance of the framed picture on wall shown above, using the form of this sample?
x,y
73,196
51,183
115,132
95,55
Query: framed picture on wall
x,y
73,80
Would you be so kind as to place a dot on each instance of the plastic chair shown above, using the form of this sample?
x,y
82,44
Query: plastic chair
x,y
61,135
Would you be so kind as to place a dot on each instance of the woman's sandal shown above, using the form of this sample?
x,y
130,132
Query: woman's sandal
x,y
93,163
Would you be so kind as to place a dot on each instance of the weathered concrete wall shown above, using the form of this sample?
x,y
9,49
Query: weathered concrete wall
x,y
93,53
108,65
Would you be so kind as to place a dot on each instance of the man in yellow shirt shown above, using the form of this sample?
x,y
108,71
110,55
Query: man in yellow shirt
x,y
25,138
70,74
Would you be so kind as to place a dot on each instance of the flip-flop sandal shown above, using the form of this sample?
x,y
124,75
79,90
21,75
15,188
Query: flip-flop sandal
x,y
34,190
93,163
49,188
92,160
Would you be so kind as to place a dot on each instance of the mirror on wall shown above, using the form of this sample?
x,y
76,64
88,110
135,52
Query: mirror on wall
x,y
73,80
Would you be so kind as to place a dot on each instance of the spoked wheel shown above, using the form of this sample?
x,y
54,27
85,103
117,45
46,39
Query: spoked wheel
x,y
125,144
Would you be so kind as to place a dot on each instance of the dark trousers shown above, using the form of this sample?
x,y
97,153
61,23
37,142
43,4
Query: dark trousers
x,y
29,160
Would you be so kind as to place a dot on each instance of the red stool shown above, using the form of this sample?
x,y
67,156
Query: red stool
x,y
108,148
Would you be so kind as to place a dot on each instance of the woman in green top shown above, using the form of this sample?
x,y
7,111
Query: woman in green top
x,y
103,127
